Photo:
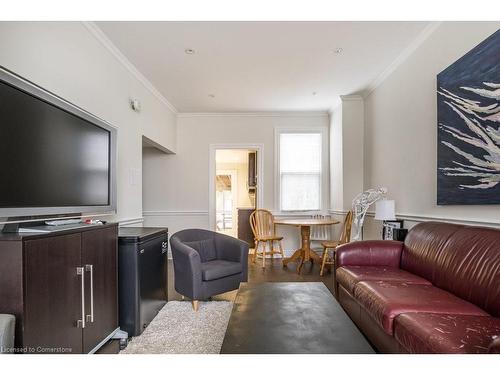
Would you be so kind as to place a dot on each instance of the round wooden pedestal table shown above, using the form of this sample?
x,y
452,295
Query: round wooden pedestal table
x,y
304,254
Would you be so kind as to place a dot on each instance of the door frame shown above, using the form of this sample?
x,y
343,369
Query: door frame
x,y
259,147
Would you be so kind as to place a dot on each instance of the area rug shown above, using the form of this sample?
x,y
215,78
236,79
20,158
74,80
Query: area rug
x,y
178,329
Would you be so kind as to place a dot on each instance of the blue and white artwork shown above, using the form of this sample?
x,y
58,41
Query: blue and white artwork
x,y
468,110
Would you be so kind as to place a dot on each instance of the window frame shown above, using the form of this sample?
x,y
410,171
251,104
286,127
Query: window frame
x,y
323,188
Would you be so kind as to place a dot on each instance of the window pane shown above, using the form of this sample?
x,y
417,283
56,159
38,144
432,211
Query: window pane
x,y
300,152
300,191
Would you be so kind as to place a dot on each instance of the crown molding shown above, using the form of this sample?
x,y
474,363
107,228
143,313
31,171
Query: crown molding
x,y
254,114
351,98
422,37
108,44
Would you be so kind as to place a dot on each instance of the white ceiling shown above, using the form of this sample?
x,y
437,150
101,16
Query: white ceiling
x,y
260,66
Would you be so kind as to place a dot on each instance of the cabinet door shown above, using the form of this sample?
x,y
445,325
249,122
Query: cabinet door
x,y
99,257
53,301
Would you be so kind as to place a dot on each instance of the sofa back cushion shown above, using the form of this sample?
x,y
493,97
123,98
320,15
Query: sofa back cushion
x,y
422,247
206,249
463,260
469,267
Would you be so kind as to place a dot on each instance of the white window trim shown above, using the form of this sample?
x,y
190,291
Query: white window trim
x,y
323,199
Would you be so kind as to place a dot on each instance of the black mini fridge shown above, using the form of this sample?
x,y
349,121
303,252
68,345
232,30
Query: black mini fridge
x,y
142,276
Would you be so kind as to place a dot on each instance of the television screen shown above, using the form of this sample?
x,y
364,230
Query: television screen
x,y
50,157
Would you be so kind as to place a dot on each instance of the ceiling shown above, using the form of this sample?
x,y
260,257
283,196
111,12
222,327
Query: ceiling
x,y
260,66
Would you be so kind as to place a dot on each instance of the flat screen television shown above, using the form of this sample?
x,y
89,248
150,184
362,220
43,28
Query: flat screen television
x,y
55,157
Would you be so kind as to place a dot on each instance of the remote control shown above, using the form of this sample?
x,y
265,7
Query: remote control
x,y
63,222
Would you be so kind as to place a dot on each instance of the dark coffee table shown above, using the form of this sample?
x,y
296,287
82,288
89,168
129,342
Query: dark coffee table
x,y
290,318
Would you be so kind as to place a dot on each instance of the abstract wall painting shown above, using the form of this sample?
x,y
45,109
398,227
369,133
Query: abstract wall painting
x,y
468,111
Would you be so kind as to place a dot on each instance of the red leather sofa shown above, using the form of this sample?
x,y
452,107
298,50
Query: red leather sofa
x,y
438,292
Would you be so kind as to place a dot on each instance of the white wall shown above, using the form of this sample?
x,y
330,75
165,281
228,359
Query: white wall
x,y
346,152
336,160
67,59
178,197
401,129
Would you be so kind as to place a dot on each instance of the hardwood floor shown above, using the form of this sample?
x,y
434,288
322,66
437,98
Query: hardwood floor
x,y
274,272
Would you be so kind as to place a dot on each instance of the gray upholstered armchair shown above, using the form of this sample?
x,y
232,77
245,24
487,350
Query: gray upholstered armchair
x,y
7,325
207,263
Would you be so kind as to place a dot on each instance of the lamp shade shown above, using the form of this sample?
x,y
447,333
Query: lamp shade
x,y
385,210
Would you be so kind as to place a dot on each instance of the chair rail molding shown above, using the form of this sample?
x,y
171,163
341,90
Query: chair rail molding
x,y
418,218
130,221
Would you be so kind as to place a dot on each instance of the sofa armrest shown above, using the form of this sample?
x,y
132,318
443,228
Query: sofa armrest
x,y
7,326
494,347
233,250
369,253
187,269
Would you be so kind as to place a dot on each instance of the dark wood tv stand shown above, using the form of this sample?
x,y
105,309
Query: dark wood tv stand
x,y
62,287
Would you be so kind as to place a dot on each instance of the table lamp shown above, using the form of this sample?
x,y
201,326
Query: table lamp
x,y
385,210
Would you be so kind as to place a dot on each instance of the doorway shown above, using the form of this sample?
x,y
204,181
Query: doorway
x,y
226,200
235,189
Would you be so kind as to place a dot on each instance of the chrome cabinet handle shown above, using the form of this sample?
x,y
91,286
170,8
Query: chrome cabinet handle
x,y
80,323
90,268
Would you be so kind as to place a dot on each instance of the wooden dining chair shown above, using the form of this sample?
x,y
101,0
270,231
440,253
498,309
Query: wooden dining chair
x,y
327,245
320,233
262,223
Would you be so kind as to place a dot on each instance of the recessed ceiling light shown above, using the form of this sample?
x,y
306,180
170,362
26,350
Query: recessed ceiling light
x,y
189,51
337,50
211,95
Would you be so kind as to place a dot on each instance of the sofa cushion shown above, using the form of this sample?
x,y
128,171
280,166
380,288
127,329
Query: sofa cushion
x,y
206,249
445,333
349,276
217,269
385,300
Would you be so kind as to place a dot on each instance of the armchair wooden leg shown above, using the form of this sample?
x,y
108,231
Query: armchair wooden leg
x,y
323,262
271,246
195,305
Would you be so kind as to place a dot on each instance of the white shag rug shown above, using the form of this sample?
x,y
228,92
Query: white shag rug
x,y
178,329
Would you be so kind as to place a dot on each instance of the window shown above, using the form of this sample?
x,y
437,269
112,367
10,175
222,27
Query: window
x,y
300,170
